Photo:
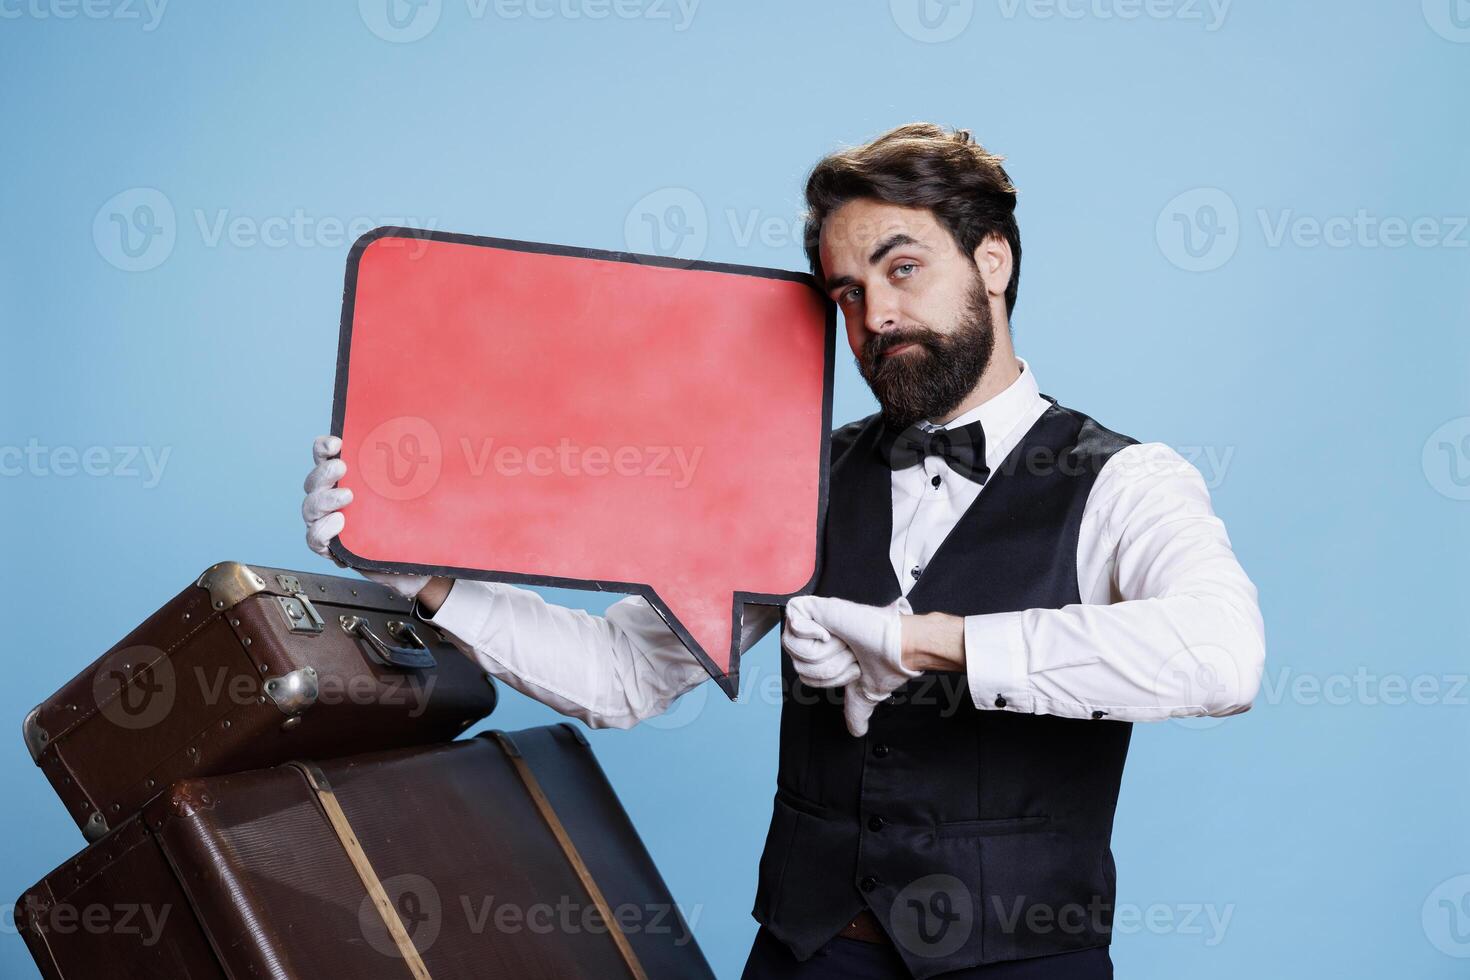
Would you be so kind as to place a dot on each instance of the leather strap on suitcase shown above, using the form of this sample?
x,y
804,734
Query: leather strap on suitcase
x,y
364,868
543,805
343,829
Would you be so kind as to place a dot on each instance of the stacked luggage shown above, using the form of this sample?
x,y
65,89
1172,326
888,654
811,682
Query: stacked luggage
x,y
267,771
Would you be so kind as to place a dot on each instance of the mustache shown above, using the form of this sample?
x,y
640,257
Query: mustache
x,y
882,343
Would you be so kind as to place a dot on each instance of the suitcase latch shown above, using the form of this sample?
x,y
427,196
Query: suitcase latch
x,y
301,615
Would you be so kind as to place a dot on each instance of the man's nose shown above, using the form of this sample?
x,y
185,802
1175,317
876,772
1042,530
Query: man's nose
x,y
882,312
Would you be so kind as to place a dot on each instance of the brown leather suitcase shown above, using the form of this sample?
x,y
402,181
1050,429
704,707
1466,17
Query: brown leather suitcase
x,y
506,856
247,667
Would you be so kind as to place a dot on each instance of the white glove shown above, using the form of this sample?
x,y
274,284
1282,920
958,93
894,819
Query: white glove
x,y
873,635
322,511
820,659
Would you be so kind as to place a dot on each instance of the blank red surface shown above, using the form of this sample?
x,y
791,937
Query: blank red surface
x,y
703,391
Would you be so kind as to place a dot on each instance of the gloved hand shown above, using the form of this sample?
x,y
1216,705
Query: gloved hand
x,y
820,659
322,511
873,635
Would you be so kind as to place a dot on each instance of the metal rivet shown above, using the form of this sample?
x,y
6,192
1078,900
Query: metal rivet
x,y
234,622
247,641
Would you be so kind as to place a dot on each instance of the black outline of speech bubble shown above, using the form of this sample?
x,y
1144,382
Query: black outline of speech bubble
x,y
729,682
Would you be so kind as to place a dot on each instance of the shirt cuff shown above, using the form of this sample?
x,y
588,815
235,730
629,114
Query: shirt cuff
x,y
996,663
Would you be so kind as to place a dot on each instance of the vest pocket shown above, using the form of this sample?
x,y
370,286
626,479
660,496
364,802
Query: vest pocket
x,y
771,870
989,828
802,805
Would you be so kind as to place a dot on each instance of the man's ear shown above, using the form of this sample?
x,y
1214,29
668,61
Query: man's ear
x,y
993,258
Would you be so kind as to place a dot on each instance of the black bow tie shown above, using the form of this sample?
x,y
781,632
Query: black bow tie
x,y
963,449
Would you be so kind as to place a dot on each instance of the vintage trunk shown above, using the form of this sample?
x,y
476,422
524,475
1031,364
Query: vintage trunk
x,y
500,856
247,667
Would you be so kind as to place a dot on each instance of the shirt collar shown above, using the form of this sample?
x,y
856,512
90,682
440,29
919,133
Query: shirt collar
x,y
1002,411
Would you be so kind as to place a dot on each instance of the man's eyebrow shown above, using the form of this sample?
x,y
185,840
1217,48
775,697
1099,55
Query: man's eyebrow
x,y
890,243
838,282
884,247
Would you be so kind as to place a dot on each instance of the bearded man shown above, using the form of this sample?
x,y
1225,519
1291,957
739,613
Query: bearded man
x,y
1006,586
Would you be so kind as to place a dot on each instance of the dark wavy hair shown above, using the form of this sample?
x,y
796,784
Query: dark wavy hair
x,y
921,165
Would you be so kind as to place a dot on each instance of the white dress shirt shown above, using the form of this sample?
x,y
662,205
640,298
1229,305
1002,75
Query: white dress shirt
x,y
1168,625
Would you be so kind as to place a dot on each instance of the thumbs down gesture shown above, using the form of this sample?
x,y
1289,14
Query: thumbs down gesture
x,y
836,642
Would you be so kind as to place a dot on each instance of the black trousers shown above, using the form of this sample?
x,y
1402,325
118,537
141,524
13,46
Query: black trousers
x,y
853,959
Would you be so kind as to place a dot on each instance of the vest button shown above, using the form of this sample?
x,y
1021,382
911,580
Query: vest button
x,y
880,750
868,883
1098,714
875,824
1000,702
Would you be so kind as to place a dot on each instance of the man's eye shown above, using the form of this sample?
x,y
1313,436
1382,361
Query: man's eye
x,y
909,266
851,295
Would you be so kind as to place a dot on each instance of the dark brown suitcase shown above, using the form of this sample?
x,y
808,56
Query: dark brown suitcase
x,y
489,869
248,667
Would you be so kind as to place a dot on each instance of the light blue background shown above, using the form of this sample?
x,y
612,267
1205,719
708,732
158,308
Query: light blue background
x,y
1327,828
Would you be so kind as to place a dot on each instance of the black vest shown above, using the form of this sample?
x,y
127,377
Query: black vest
x,y
975,836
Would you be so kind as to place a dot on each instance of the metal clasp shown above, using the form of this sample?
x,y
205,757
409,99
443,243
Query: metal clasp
x,y
301,615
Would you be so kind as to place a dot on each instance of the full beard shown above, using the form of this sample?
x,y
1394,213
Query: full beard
x,y
932,381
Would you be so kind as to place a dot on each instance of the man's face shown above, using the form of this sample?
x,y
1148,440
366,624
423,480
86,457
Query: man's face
x,y
917,311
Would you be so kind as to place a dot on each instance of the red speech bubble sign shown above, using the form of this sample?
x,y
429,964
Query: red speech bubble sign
x,y
545,415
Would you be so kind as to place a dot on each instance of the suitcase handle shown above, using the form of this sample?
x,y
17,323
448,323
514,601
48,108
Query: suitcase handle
x,y
416,656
